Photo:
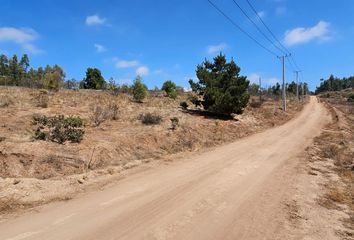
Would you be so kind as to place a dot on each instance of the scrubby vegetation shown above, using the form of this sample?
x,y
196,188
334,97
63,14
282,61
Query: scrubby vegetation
x,y
58,128
150,118
334,148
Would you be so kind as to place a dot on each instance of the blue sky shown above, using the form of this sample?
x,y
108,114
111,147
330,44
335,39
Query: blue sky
x,y
163,40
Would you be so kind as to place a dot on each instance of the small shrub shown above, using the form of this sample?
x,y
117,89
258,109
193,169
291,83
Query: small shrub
x,y
58,128
124,89
184,105
99,115
194,99
5,101
170,88
41,99
351,98
113,111
174,123
150,119
139,90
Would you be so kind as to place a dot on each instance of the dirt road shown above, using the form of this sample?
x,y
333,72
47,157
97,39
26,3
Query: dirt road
x,y
232,192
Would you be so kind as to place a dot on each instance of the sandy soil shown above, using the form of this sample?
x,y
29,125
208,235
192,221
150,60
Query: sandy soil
x,y
237,191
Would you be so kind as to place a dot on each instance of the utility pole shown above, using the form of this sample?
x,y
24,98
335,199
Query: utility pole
x,y
284,88
297,85
260,89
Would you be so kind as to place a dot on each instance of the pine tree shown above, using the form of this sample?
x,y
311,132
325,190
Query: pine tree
x,y
221,88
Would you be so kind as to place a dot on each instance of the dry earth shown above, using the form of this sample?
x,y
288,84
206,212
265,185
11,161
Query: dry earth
x,y
253,188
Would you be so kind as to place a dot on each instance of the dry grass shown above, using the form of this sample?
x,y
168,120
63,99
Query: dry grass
x,y
11,204
337,144
121,137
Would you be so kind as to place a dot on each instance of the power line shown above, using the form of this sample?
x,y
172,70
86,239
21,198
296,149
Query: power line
x,y
290,63
241,29
271,33
265,25
293,59
257,27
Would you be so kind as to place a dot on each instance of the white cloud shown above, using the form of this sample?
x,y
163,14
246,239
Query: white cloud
x,y
142,71
94,20
254,78
304,35
216,48
22,36
31,48
261,14
126,64
100,48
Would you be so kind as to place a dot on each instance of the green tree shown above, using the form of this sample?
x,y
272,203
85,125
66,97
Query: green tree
x,y
14,71
53,77
276,90
71,84
93,79
4,69
24,63
291,88
4,65
139,90
221,88
170,88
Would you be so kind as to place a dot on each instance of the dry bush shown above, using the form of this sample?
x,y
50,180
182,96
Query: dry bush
x,y
255,104
41,98
113,109
150,118
10,204
5,101
331,151
100,114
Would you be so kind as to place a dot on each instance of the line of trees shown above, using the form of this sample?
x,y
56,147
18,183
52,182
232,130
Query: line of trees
x,y
335,84
276,89
14,72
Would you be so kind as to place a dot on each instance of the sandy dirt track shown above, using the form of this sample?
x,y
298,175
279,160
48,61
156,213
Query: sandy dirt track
x,y
232,192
